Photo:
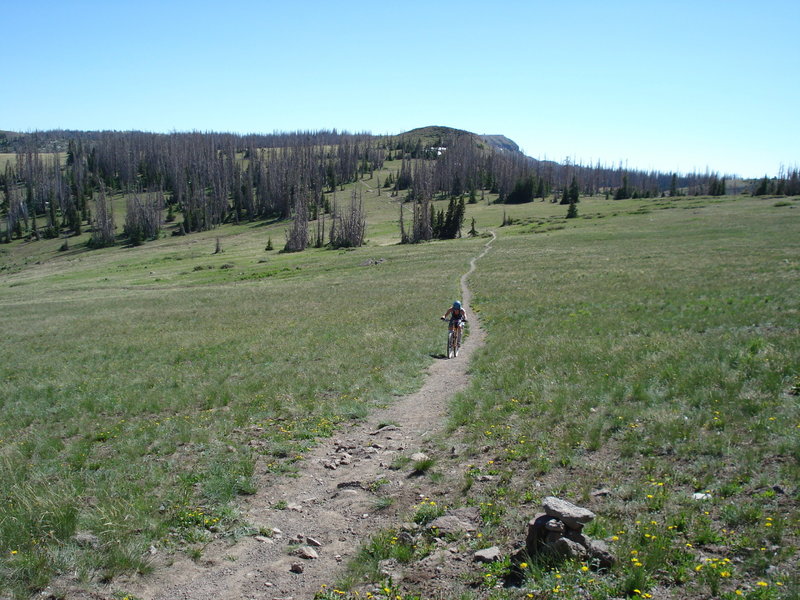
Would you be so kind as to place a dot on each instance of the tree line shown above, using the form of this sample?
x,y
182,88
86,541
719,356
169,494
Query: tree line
x,y
60,182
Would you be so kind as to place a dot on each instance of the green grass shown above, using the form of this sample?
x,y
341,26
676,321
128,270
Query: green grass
x,y
648,346
655,354
140,391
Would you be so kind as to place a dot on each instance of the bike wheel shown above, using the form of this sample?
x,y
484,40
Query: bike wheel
x,y
457,343
450,340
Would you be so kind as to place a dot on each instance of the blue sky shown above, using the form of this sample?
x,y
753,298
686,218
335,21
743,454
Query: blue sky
x,y
666,85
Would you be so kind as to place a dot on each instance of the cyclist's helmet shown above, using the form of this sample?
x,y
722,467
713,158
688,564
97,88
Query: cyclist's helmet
x,y
457,305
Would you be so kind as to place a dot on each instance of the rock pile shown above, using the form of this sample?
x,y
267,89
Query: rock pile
x,y
560,530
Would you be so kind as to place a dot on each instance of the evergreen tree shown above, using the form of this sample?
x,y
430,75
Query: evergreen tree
x,y
572,211
624,192
522,192
472,231
763,187
574,191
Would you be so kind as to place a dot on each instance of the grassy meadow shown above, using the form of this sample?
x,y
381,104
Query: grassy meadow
x,y
653,355
141,385
649,347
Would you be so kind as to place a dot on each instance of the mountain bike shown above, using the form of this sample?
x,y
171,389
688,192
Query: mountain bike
x,y
454,334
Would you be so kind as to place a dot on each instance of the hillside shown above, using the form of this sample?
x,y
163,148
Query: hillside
x,y
439,136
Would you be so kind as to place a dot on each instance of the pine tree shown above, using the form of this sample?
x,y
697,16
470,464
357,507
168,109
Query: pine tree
x,y
572,211
574,191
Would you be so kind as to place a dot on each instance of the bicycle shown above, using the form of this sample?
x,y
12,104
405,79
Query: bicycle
x,y
455,331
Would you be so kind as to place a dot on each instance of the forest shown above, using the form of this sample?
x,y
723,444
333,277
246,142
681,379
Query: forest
x,y
57,183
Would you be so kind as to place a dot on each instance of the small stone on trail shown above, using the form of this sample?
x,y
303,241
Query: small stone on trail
x,y
384,429
601,493
487,555
296,568
307,553
312,542
419,456
263,539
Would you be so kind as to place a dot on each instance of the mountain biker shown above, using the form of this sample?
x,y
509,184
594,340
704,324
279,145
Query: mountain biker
x,y
458,316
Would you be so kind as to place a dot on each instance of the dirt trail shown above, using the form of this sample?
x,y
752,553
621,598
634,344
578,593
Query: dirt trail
x,y
334,501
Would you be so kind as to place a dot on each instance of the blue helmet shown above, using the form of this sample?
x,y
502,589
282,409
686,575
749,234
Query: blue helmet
x,y
457,305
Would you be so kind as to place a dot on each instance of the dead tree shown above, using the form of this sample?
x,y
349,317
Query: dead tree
x,y
297,236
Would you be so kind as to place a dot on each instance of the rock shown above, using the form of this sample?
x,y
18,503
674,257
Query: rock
x,y
85,539
569,549
384,429
536,534
555,525
313,542
451,525
487,555
552,537
293,506
306,553
599,551
577,537
419,456
601,493
573,516
277,532
296,568
263,539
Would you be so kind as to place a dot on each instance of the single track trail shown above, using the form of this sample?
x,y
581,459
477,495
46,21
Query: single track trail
x,y
335,503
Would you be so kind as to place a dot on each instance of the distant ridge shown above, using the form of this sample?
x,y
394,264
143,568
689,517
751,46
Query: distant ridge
x,y
438,135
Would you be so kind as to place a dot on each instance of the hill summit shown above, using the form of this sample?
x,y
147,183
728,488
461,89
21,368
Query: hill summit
x,y
438,135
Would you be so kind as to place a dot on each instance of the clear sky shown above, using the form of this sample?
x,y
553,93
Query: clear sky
x,y
666,85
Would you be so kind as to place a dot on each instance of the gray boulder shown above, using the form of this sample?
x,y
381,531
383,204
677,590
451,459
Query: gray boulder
x,y
573,516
